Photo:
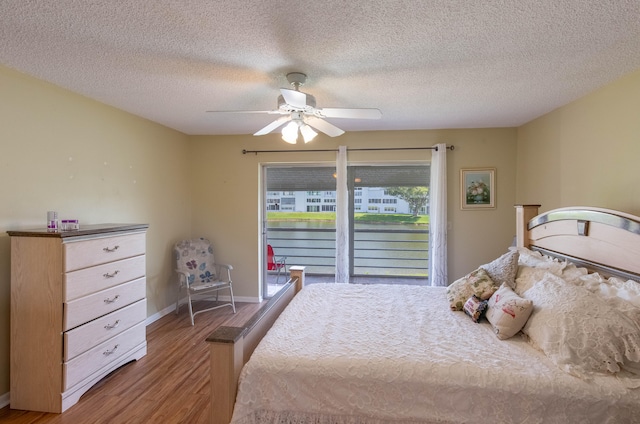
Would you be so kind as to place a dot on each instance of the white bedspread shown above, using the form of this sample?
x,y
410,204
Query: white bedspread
x,y
343,353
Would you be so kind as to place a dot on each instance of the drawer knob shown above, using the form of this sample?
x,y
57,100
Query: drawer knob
x,y
112,326
116,297
111,249
113,274
110,352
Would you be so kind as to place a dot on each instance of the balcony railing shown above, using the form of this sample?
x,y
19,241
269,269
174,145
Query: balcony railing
x,y
377,252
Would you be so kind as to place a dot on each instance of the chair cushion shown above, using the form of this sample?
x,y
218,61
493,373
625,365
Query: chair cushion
x,y
195,257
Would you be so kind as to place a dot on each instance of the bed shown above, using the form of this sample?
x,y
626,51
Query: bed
x,y
341,353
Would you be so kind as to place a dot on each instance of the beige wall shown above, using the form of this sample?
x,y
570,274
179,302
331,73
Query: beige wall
x,y
64,152
226,190
60,151
585,153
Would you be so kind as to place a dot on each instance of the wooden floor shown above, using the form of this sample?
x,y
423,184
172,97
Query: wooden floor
x,y
169,385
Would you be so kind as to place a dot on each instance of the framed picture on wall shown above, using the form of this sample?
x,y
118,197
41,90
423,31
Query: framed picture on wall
x,y
477,188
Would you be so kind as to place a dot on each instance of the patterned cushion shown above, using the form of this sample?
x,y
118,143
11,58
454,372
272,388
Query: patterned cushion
x,y
195,257
475,308
504,268
476,283
507,312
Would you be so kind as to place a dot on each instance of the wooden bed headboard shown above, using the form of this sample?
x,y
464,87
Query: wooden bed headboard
x,y
600,239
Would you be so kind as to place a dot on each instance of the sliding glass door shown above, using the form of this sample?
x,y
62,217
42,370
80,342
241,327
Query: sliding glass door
x,y
388,221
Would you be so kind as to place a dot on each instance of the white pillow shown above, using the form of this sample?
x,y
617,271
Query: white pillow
x,y
578,331
507,312
527,277
504,268
623,296
628,290
573,274
535,259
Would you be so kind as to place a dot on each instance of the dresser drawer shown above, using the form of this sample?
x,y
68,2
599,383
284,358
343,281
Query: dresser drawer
x,y
90,280
86,253
100,356
84,309
86,336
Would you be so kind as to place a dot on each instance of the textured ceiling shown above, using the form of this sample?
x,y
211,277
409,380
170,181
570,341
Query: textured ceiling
x,y
425,64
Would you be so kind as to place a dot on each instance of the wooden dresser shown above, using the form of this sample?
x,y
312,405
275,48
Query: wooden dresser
x,y
78,310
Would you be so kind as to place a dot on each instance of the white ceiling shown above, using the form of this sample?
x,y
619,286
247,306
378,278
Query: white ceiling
x,y
425,64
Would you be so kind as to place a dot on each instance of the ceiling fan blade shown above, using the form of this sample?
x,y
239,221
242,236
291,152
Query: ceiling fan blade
x,y
294,98
272,126
244,111
350,113
322,125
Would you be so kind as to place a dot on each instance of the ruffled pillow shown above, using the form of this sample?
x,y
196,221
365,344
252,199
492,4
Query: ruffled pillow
x,y
504,268
579,331
534,259
628,290
623,296
476,283
507,312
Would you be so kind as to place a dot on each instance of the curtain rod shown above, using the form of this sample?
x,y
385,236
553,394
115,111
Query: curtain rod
x,y
244,152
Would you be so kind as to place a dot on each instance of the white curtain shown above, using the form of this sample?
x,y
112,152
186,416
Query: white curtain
x,y
438,217
342,217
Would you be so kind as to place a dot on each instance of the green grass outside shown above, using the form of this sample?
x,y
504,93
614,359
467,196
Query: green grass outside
x,y
364,218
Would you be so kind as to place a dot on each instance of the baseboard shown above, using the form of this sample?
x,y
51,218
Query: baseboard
x,y
243,299
155,317
169,309
4,400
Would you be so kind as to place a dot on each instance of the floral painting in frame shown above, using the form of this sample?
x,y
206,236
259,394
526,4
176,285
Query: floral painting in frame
x,y
477,188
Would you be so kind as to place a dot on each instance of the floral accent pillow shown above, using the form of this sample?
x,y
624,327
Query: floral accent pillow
x,y
475,308
507,312
504,268
579,331
476,283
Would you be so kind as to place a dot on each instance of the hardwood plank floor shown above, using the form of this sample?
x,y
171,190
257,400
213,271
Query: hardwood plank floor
x,y
169,385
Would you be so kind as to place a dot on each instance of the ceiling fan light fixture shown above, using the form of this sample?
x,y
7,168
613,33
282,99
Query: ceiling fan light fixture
x,y
307,132
300,108
290,132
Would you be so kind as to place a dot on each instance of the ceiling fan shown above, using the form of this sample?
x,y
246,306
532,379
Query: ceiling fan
x,y
300,111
